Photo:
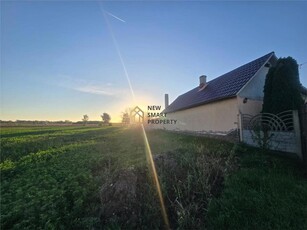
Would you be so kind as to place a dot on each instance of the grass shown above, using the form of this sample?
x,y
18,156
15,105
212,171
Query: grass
x,y
67,177
267,192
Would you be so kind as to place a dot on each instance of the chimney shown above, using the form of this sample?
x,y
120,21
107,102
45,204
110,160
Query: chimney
x,y
166,100
202,80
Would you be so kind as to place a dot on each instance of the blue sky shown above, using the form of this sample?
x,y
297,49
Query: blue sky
x,y
59,61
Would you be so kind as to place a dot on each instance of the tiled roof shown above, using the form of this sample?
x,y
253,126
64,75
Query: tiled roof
x,y
225,86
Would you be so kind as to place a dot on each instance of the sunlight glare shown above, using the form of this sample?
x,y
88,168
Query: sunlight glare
x,y
155,177
147,146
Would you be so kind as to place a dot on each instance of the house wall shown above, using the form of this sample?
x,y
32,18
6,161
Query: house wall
x,y
222,116
216,117
254,88
251,107
252,92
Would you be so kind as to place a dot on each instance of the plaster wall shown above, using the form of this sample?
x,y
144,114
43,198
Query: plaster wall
x,y
216,117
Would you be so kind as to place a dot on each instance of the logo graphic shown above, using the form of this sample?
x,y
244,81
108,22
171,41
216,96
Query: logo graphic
x,y
137,115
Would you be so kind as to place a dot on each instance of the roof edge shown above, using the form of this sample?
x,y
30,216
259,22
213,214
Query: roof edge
x,y
243,87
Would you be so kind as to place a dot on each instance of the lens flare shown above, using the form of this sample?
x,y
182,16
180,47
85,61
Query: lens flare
x,y
147,146
117,50
155,177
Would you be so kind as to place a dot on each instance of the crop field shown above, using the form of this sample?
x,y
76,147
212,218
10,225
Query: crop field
x,y
102,178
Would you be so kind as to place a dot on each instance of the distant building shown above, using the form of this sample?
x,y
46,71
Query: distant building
x,y
214,106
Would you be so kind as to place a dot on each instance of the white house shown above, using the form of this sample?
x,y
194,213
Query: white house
x,y
214,106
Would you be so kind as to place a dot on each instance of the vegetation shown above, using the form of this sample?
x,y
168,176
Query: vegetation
x,y
282,87
98,178
85,119
125,118
105,118
268,192
30,123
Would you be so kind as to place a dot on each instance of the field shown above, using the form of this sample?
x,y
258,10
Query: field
x,y
102,178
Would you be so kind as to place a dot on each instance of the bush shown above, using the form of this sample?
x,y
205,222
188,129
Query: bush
x,y
282,87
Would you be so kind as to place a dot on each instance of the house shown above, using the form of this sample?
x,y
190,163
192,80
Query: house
x,y
214,106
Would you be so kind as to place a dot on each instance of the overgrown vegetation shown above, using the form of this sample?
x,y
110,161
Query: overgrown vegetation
x,y
97,178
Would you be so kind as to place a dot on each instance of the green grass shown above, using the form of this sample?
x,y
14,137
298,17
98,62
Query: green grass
x,y
51,177
267,192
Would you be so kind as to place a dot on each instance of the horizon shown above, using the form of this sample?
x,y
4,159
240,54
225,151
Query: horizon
x,y
61,60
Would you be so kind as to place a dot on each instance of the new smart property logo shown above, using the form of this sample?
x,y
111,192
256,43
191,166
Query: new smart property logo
x,y
136,115
154,116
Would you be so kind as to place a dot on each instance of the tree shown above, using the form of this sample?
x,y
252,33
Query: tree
x,y
125,118
85,119
282,87
67,122
105,118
